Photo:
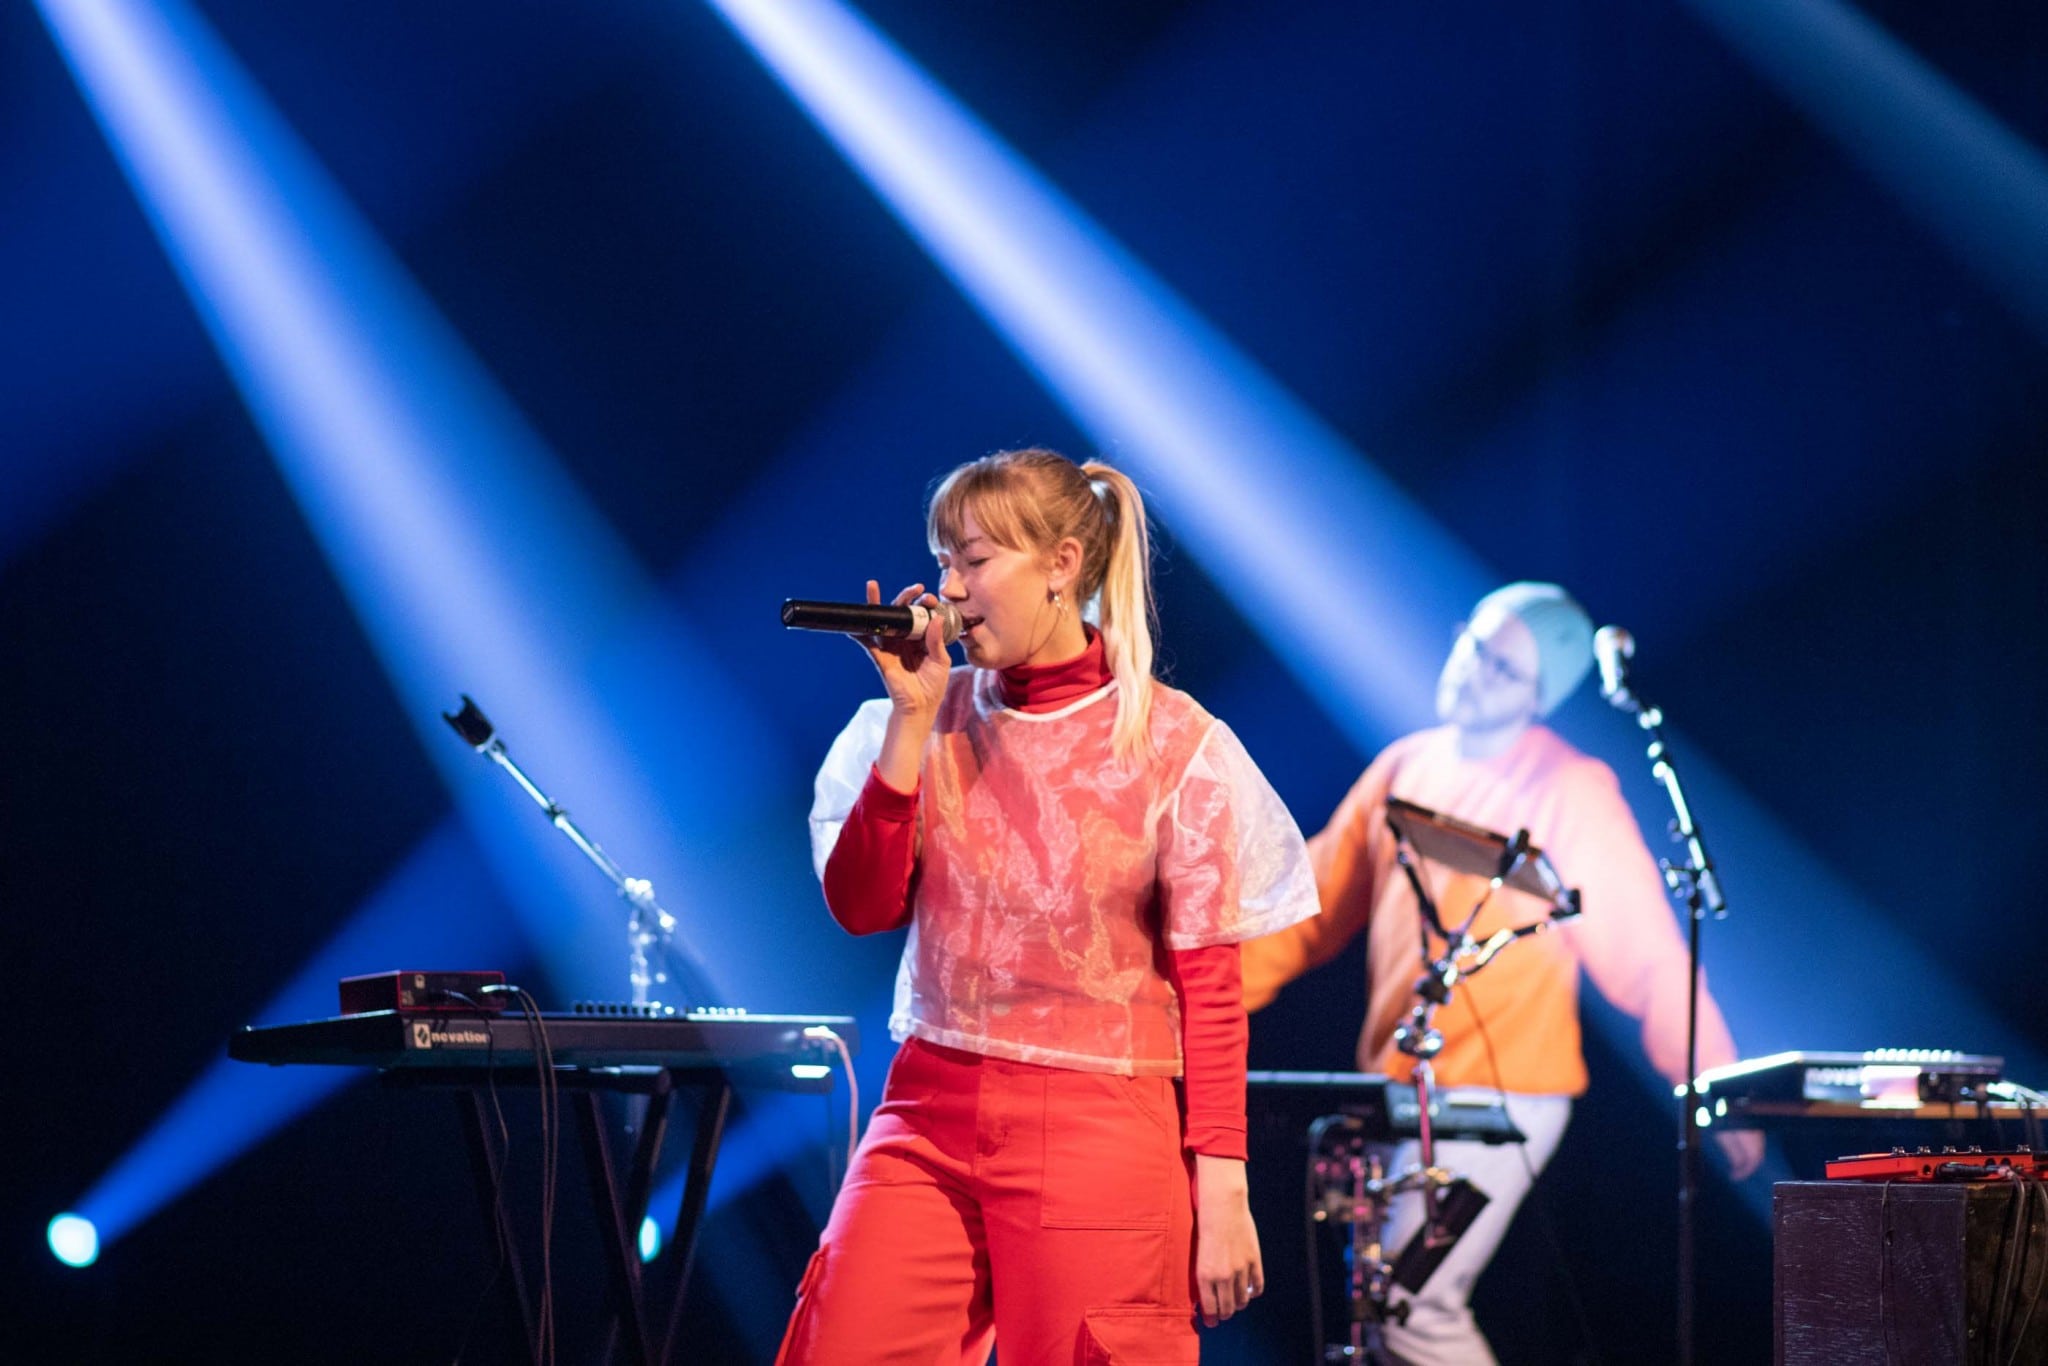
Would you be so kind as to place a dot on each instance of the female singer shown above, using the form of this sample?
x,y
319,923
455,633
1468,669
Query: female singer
x,y
1078,851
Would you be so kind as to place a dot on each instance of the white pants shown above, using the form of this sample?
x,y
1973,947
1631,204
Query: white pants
x,y
1440,1330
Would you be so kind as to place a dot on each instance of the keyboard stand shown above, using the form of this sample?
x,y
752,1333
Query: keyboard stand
x,y
644,1059
618,1219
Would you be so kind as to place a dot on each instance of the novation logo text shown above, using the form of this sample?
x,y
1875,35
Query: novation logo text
x,y
424,1035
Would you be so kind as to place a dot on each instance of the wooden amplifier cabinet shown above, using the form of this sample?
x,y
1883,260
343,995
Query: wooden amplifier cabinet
x,y
1909,1273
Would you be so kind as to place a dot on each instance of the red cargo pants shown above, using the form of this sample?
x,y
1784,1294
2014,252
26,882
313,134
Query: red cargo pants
x,y
1047,1210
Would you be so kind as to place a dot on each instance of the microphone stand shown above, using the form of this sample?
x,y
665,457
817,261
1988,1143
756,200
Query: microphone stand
x,y
1372,1278
1694,883
650,930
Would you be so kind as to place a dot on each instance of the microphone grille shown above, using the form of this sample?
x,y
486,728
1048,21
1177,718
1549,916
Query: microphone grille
x,y
1613,643
1612,649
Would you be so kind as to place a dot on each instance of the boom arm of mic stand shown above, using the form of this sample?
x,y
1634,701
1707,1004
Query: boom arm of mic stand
x,y
648,925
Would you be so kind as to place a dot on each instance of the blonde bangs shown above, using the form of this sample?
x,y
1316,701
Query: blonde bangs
x,y
990,491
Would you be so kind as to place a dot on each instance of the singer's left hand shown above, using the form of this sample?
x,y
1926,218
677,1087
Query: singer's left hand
x,y
1229,1273
915,672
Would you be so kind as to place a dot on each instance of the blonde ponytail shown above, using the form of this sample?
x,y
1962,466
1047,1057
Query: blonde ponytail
x,y
1125,610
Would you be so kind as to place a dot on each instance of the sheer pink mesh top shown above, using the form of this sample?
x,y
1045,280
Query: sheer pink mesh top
x,y
1051,879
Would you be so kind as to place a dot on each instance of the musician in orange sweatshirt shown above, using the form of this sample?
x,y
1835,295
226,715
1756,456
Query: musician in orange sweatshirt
x,y
1515,1026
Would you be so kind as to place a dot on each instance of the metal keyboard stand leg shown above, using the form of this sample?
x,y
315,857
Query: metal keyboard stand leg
x,y
713,1107
488,1164
648,1116
620,1247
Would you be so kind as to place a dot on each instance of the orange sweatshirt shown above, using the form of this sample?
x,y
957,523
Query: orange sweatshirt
x,y
1628,940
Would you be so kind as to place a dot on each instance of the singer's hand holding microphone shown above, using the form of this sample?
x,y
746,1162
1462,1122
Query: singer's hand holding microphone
x,y
906,639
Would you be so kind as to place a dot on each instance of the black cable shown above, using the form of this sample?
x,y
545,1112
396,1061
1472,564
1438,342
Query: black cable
x,y
2029,1183
2023,1201
1558,1257
498,1229
550,1144
551,1158
2004,1274
2010,1253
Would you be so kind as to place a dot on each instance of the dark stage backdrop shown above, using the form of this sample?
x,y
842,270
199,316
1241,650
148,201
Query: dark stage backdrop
x,y
1580,279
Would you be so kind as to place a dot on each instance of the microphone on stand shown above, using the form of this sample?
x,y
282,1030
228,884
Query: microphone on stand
x,y
870,618
1613,648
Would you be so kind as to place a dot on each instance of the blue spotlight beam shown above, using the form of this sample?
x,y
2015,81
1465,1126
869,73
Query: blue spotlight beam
x,y
1280,506
473,562
1978,185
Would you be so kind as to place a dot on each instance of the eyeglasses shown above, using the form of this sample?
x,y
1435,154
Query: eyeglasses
x,y
1498,668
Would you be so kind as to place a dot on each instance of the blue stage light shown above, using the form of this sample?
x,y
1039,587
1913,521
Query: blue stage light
x,y
74,1240
651,1240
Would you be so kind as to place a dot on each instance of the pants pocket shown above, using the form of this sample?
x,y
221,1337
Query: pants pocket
x,y
1109,1162
795,1338
1125,1335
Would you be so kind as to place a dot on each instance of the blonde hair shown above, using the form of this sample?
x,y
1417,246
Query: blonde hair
x,y
1032,500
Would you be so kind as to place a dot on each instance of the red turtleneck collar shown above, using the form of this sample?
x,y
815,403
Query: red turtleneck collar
x,y
1046,687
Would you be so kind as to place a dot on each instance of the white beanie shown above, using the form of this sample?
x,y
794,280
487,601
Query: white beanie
x,y
1563,631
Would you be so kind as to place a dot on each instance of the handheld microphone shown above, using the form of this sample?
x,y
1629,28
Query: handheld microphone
x,y
1613,648
870,618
